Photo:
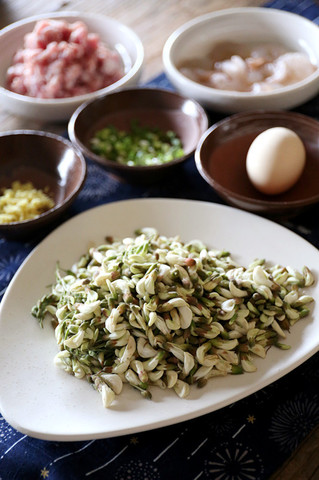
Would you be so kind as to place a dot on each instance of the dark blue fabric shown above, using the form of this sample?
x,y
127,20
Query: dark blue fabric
x,y
247,440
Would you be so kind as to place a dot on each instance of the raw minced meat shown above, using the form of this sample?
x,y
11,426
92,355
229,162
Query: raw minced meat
x,y
61,59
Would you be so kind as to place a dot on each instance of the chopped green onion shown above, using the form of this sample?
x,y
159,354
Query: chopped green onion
x,y
140,146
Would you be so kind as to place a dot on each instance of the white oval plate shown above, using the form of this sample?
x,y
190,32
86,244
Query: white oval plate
x,y
42,401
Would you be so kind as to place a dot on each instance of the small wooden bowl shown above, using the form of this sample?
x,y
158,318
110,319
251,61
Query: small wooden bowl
x,y
221,160
150,107
47,161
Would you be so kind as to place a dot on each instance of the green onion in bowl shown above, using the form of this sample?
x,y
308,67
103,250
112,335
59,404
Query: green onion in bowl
x,y
140,146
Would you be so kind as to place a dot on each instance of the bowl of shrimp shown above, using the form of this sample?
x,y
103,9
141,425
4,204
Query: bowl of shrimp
x,y
242,59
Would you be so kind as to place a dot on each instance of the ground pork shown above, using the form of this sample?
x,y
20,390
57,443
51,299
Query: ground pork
x,y
61,59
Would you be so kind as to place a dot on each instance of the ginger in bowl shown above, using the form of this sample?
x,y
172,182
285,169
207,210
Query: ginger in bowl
x,y
41,175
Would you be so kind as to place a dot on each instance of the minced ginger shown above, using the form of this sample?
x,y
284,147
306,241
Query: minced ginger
x,y
22,201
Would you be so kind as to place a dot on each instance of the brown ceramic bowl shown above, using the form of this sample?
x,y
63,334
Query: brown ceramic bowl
x,y
150,107
221,160
46,160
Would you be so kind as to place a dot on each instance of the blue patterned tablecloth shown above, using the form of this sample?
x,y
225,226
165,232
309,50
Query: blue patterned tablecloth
x,y
248,440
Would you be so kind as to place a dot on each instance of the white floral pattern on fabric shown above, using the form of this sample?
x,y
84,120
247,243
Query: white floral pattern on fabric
x,y
293,420
234,461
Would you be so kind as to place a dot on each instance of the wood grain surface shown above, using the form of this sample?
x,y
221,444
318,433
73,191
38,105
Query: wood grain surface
x,y
153,21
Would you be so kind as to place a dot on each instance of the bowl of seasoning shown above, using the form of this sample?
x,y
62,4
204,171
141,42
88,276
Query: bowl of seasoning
x,y
138,134
247,58
263,162
41,174
52,63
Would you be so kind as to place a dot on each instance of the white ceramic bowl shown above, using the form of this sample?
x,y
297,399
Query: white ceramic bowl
x,y
111,32
254,24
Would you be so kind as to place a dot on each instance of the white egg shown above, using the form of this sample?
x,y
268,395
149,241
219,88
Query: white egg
x,y
275,160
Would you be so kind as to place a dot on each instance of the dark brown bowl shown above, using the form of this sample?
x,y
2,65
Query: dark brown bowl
x,y
150,107
221,160
46,160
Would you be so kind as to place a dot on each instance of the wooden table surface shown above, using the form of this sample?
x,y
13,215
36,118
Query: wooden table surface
x,y
153,21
